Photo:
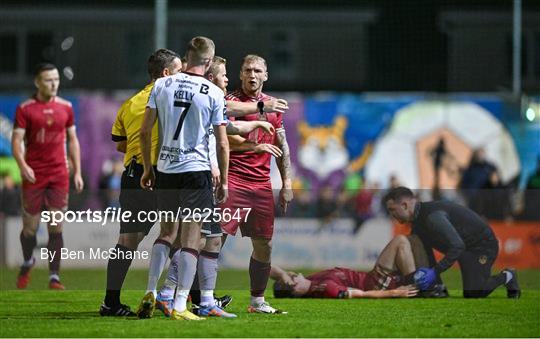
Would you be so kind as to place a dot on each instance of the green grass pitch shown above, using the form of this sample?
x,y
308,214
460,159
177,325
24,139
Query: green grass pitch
x,y
38,312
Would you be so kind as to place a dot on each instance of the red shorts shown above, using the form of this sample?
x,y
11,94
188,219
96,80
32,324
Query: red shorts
x,y
50,190
259,223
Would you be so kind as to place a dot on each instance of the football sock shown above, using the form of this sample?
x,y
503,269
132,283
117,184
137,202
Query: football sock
x,y
116,273
54,277
28,244
160,252
259,272
167,290
56,242
187,265
181,300
256,300
508,277
207,272
207,298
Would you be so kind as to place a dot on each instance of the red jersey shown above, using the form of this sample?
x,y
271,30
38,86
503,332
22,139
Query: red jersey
x,y
335,282
249,166
45,126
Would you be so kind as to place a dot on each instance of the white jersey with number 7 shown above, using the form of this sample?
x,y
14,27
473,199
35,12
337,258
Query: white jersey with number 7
x,y
187,106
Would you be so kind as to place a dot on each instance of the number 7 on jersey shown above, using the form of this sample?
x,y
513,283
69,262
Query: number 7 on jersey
x,y
183,113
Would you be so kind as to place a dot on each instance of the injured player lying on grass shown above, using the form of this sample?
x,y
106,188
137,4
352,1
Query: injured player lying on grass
x,y
392,277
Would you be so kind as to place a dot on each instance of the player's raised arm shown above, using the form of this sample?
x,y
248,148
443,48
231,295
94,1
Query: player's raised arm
x,y
75,156
238,109
148,177
284,165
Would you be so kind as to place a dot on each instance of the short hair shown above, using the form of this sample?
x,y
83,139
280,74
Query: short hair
x,y
254,58
282,290
199,50
398,193
214,68
42,67
159,60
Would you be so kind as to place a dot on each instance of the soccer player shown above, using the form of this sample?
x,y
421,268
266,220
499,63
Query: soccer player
x,y
162,247
388,279
184,178
125,132
250,185
42,122
461,235
217,74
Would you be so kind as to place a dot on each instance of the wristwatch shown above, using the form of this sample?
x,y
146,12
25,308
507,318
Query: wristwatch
x,y
260,106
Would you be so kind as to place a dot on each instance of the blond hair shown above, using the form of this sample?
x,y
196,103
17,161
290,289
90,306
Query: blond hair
x,y
199,50
214,68
253,58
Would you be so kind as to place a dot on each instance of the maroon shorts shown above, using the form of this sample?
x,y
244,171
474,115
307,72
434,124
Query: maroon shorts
x,y
257,222
376,280
51,190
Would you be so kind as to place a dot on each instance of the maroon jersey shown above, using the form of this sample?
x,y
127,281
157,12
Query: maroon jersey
x,y
45,126
335,282
249,165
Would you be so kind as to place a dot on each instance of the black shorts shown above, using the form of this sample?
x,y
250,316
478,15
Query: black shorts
x,y
192,192
211,230
134,199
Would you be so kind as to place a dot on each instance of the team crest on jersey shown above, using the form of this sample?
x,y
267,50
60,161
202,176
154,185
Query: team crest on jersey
x,y
50,121
482,259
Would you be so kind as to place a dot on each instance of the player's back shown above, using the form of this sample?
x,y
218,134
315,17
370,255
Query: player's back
x,y
470,226
187,106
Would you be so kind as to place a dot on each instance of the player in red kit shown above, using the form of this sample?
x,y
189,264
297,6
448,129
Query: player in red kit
x,y
391,277
42,123
249,181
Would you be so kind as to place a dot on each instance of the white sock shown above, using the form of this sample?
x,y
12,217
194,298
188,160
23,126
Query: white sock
x,y
256,300
160,253
167,291
29,262
207,298
181,300
54,276
509,276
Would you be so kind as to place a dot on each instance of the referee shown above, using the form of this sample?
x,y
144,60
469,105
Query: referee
x,y
125,132
461,235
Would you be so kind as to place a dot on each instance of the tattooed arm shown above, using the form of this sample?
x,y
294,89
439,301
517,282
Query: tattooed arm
x,y
284,165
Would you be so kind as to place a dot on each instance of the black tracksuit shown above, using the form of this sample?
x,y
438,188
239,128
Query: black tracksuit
x,y
462,236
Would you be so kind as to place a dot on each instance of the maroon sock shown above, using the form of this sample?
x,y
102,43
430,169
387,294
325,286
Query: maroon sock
x,y
56,242
28,244
259,272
